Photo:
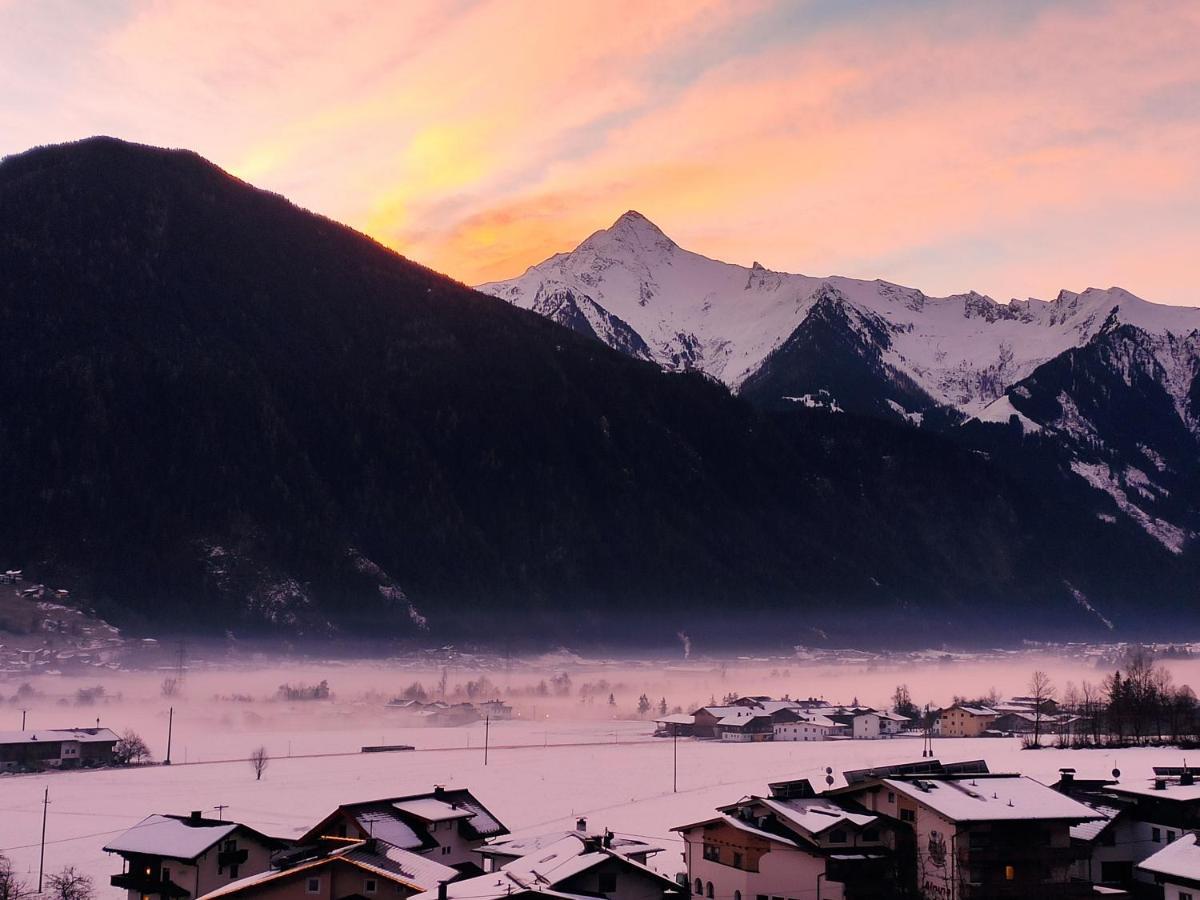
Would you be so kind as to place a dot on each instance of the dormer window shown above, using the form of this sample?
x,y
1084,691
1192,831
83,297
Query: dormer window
x,y
370,886
837,836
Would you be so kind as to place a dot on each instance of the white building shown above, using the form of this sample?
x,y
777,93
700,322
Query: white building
x,y
802,726
1176,868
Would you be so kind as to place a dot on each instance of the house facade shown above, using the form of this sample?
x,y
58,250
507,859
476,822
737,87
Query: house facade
x,y
790,845
184,857
1175,869
981,836
447,825
58,748
965,721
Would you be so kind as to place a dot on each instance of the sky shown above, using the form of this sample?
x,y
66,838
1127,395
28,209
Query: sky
x,y
1013,148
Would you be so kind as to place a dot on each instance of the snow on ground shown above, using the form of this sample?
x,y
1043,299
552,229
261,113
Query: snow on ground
x,y
566,756
624,786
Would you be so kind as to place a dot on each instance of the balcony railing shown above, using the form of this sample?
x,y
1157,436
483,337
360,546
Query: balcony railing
x,y
148,885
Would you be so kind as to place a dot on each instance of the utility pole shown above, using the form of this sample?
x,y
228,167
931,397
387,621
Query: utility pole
x,y
170,728
487,727
927,747
23,712
220,808
42,858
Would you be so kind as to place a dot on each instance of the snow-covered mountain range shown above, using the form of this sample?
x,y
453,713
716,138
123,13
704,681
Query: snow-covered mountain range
x,y
1064,367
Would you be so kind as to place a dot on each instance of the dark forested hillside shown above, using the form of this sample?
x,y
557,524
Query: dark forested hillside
x,y
220,412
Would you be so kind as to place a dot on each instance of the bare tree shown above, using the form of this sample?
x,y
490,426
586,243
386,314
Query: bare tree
x,y
11,887
259,759
69,884
1041,691
130,749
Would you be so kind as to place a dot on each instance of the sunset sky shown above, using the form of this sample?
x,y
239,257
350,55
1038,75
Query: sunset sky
x,y
1011,147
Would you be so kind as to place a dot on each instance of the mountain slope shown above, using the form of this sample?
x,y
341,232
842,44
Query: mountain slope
x,y
222,412
876,348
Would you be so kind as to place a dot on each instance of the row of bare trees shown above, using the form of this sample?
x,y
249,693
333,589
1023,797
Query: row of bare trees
x,y
66,884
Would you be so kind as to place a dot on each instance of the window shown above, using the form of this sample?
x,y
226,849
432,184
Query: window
x,y
166,874
699,887
370,886
737,860
737,895
891,796
1185,895
607,882
708,891
837,836
712,852
871,834
233,871
313,886
1009,873
1156,835
446,851
908,815
1170,837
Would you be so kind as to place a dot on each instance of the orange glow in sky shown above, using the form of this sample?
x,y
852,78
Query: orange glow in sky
x,y
1014,148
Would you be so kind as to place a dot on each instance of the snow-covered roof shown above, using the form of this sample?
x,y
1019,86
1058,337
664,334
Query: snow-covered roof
x,y
893,717
417,873
546,869
1180,859
973,710
432,809
815,815
523,846
1089,831
42,735
170,836
677,719
1172,790
741,825
986,799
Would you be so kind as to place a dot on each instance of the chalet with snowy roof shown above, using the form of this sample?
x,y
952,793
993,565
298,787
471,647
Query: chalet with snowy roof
x,y
979,835
892,723
859,723
341,870
1175,869
1155,813
799,725
576,866
788,844
675,725
62,748
753,728
965,721
498,854
496,710
449,825
184,857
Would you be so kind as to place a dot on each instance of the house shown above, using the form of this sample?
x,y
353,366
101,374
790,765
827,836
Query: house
x,y
448,825
578,865
63,748
790,844
187,856
496,710
498,854
675,725
975,836
892,723
965,721
756,727
706,721
859,723
1176,868
339,870
1158,811
797,725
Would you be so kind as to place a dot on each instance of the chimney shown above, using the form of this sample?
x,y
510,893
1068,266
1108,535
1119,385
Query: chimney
x,y
442,892
1066,777
608,839
581,825
196,817
1187,779
439,790
1160,784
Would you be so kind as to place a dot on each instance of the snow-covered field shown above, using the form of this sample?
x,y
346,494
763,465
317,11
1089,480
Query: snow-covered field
x,y
565,759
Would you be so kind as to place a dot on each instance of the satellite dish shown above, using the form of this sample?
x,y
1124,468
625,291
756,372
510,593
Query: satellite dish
x,y
829,780
829,770
1116,773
